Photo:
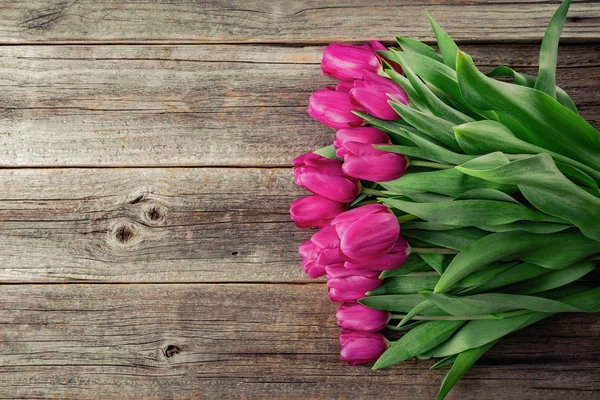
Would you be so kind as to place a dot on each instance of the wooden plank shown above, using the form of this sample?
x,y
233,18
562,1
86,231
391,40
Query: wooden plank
x,y
148,225
249,341
220,21
195,105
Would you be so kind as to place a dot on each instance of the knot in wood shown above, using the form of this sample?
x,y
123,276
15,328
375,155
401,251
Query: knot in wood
x,y
124,234
154,214
171,350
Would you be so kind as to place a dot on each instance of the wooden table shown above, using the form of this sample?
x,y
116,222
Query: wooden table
x,y
145,245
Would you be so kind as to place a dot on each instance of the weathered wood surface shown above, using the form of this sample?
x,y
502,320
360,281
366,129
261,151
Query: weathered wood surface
x,y
280,21
195,105
148,225
249,341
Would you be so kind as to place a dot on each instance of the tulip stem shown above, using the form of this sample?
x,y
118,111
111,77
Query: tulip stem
x,y
407,217
432,250
373,192
429,164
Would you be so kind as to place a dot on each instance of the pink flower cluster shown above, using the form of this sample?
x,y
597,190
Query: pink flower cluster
x,y
352,246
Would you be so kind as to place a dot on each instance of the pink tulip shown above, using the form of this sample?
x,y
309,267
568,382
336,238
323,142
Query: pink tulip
x,y
315,211
371,96
324,177
395,258
363,161
333,108
375,45
366,232
346,62
361,318
320,251
361,347
347,285
344,86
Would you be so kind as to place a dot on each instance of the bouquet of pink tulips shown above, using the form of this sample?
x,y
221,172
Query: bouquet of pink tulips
x,y
493,185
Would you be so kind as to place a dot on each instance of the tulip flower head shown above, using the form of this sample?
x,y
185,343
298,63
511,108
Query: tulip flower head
x,y
315,211
346,62
363,161
361,347
393,259
346,285
371,95
333,108
361,318
320,251
366,232
324,177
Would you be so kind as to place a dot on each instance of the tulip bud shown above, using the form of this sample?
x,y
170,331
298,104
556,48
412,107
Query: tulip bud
x,y
395,258
344,86
333,108
361,318
371,96
375,45
346,62
315,211
361,347
320,251
366,232
324,177
363,161
346,285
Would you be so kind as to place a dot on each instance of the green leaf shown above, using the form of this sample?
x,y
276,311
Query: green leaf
x,y
552,279
527,226
449,182
455,239
493,303
531,115
546,79
414,99
419,308
409,45
436,152
483,137
405,285
392,302
486,194
413,263
464,361
419,340
447,46
438,262
327,151
443,362
545,187
487,276
469,212
438,129
570,246
435,105
529,80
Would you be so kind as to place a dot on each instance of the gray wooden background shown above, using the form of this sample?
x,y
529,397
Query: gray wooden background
x,y
145,245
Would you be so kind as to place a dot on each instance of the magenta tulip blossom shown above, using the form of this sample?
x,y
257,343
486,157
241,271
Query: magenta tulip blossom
x,y
346,62
363,161
315,211
333,108
371,95
366,232
346,285
324,177
361,347
321,251
393,259
361,318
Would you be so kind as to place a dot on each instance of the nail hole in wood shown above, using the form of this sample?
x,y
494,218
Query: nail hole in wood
x,y
171,350
234,253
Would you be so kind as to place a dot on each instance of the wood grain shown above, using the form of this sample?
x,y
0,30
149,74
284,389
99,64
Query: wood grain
x,y
249,341
305,21
148,225
195,105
